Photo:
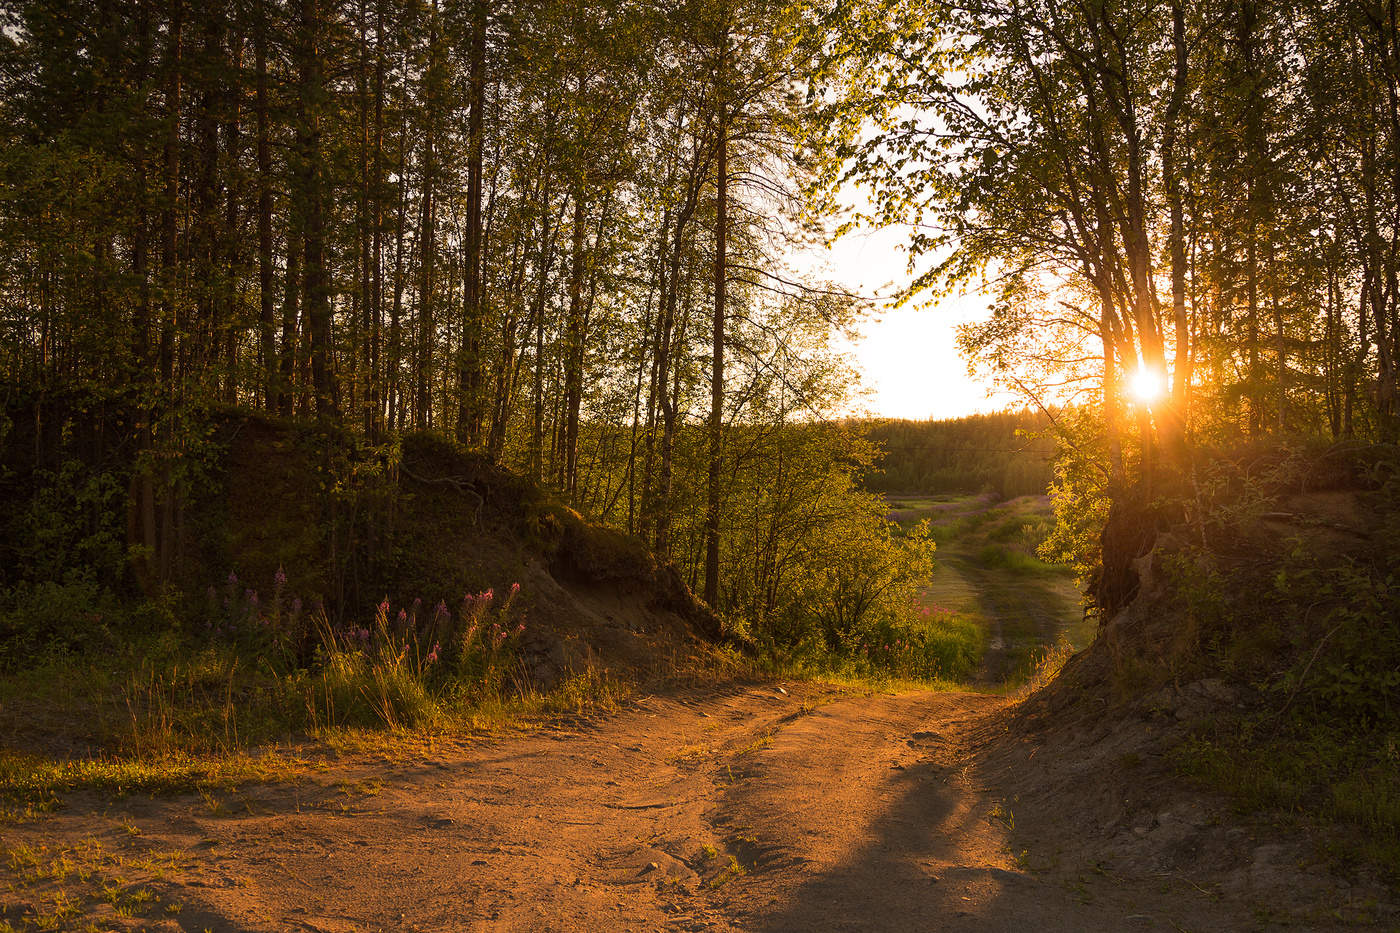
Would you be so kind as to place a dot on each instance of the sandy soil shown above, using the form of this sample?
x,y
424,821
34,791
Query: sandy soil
x,y
764,808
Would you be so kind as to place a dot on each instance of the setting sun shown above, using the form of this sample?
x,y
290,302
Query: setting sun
x,y
1146,386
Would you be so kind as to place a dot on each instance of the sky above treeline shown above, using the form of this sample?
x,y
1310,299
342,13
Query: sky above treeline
x,y
907,358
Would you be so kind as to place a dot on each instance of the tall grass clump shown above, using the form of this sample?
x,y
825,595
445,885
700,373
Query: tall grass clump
x,y
407,667
155,710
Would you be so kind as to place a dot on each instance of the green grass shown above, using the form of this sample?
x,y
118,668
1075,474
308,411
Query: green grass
x,y
988,574
85,886
173,718
1318,772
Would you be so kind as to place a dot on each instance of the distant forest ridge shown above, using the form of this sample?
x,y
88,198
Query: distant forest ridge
x,y
1008,453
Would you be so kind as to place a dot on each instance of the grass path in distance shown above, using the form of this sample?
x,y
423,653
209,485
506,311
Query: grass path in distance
x,y
986,569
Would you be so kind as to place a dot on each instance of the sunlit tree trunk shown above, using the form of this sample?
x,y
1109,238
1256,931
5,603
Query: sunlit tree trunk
x,y
716,427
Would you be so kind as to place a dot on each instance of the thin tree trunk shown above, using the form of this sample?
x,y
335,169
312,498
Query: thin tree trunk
x,y
234,257
717,349
170,209
378,387
266,310
291,314
573,357
1178,409
316,284
469,363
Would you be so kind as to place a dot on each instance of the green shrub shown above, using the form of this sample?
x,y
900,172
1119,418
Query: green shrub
x,y
50,619
941,645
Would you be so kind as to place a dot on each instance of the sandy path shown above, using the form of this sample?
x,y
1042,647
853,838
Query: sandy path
x,y
753,808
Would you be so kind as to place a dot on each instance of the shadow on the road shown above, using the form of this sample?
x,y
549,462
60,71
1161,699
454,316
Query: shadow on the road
x,y
909,873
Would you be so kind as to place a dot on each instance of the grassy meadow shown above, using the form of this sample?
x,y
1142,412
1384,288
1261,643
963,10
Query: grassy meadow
x,y
987,576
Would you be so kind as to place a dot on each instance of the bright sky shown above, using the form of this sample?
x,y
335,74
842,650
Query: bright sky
x,y
908,358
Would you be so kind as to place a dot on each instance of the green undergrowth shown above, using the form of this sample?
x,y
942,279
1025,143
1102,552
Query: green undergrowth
x,y
852,677
990,586
940,653
918,645
172,718
995,536
1319,773
1295,605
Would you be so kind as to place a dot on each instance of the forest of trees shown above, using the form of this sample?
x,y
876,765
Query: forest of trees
x,y
553,232
1207,191
1005,453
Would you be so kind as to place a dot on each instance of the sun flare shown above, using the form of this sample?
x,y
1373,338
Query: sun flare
x,y
1146,386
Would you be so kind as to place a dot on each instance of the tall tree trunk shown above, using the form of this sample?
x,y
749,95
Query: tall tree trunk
x,y
537,421
266,312
1255,198
1178,410
717,346
393,382
206,323
427,256
378,387
427,233
233,130
170,210
291,316
310,182
364,232
647,509
469,363
573,357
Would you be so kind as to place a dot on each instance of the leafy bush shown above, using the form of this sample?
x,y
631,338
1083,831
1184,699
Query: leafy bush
x,y
863,578
1351,671
49,619
933,644
71,526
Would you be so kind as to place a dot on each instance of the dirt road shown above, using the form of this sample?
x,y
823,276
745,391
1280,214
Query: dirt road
x,y
760,808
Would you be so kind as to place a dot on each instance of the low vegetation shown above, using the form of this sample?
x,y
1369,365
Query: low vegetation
x,y
1273,583
991,580
166,713
440,613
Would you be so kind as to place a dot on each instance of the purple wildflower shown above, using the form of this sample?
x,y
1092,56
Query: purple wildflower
x,y
280,577
232,578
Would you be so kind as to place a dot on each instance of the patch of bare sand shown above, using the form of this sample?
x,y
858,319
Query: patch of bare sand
x,y
748,808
